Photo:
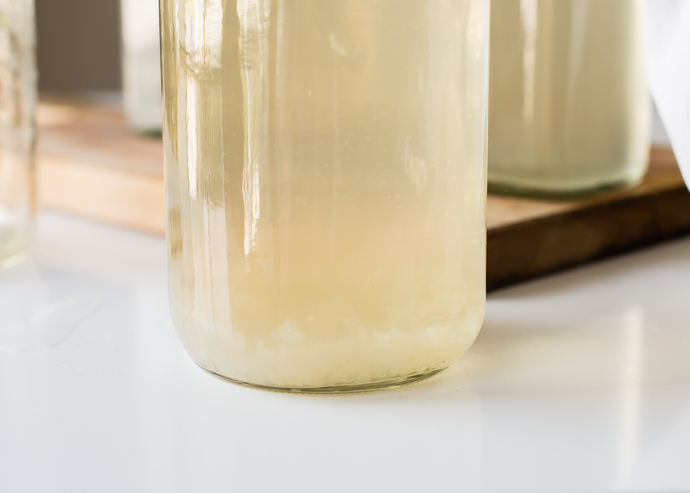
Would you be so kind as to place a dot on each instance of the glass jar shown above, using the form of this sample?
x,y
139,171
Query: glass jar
x,y
569,106
326,179
141,67
17,128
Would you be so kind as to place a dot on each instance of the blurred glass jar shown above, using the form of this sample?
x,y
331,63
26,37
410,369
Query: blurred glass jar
x,y
17,128
569,104
141,66
326,177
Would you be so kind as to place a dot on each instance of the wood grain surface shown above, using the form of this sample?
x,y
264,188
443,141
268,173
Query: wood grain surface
x,y
530,238
90,164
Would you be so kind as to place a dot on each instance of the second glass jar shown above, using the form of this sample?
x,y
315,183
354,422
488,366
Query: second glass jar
x,y
569,104
326,174
141,69
17,129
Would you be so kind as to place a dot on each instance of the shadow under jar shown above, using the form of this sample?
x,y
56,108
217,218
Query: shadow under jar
x,y
326,178
569,105
17,128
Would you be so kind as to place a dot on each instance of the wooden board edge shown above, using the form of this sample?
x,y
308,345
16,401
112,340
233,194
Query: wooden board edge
x,y
125,198
555,243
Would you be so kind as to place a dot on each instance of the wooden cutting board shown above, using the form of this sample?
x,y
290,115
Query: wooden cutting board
x,y
89,164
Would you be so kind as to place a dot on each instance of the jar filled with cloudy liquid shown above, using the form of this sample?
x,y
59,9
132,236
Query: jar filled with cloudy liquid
x,y
326,178
569,104
17,128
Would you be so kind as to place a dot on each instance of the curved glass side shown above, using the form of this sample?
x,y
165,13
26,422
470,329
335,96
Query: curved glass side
x,y
17,128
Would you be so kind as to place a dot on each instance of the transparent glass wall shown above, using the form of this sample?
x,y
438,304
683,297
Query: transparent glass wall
x,y
17,127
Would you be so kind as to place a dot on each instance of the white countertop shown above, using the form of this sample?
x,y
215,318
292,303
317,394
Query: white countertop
x,y
577,383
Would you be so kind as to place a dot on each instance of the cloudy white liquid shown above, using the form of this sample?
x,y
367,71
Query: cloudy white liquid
x,y
569,105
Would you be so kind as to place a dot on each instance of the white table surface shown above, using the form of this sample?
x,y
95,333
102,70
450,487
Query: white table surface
x,y
577,383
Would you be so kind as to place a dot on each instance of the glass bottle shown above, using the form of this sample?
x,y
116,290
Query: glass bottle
x,y
17,128
141,67
569,107
326,179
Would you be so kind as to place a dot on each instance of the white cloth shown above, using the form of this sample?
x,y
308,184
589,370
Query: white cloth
x,y
668,62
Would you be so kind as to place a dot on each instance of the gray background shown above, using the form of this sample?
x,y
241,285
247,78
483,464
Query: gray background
x,y
78,44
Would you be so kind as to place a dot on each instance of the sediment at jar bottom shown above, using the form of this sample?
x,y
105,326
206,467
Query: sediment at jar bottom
x,y
359,358
331,319
373,310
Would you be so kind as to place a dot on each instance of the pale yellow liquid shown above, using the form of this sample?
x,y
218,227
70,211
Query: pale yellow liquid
x,y
326,187
16,198
14,242
17,129
569,106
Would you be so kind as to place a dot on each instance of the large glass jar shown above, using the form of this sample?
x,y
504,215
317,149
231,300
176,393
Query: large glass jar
x,y
569,104
17,128
326,187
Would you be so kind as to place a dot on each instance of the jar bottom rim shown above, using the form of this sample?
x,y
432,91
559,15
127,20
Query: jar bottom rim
x,y
338,389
